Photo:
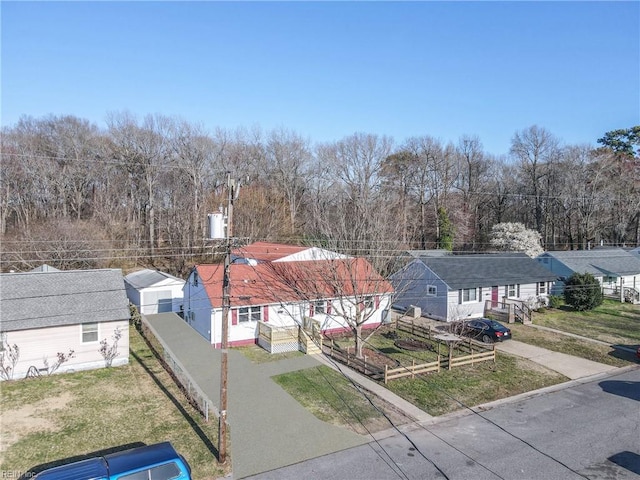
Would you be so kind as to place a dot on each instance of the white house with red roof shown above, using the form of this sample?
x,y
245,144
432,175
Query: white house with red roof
x,y
282,285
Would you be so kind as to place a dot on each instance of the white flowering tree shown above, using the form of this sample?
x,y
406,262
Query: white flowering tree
x,y
515,237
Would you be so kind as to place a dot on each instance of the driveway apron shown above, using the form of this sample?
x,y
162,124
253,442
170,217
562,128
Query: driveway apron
x,y
268,428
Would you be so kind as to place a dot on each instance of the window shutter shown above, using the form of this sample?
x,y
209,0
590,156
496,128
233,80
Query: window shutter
x,y
265,313
377,302
329,308
234,317
480,294
460,296
311,310
518,290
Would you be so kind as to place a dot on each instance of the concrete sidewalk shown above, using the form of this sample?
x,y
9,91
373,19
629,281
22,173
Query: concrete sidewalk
x,y
567,365
409,409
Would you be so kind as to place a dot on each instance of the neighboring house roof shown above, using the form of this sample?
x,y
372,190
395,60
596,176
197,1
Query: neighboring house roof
x,y
285,282
599,261
429,253
148,278
470,271
46,299
45,268
267,252
276,252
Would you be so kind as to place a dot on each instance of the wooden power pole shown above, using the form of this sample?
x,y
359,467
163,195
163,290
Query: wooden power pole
x,y
226,308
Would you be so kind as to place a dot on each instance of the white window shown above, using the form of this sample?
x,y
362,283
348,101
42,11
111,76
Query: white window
x,y
513,291
432,290
368,302
542,288
469,295
89,332
250,314
319,306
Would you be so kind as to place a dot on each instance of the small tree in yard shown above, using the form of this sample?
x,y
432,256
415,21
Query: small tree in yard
x,y
351,283
9,355
582,291
60,359
109,352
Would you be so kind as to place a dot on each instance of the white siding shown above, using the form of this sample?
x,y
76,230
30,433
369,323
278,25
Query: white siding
x,y
464,310
285,316
45,343
161,298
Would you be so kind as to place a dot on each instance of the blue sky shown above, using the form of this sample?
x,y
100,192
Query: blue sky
x,y
329,69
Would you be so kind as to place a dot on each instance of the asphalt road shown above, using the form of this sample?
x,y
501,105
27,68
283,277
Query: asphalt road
x,y
589,430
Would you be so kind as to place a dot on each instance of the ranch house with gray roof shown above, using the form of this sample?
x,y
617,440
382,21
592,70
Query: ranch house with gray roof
x,y
617,269
455,287
50,312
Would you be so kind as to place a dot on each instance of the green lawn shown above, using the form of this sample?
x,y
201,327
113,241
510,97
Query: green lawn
x,y
436,393
75,414
571,346
334,399
258,354
612,322
470,385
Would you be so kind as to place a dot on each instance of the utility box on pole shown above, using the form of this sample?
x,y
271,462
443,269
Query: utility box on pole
x,y
216,226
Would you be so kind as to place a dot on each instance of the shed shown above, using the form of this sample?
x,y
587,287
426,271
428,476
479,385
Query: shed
x,y
153,291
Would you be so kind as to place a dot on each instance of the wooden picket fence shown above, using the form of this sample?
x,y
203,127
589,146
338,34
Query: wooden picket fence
x,y
361,365
410,371
472,352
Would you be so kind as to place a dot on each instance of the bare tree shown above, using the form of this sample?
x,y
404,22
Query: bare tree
x,y
143,152
351,284
536,149
287,163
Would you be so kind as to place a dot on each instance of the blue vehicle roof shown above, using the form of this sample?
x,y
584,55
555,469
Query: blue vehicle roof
x,y
128,460
90,469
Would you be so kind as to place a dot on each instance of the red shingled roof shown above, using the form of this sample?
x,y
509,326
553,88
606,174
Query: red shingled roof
x,y
268,252
283,282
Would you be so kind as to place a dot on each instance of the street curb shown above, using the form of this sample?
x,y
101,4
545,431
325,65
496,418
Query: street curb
x,y
484,407
533,393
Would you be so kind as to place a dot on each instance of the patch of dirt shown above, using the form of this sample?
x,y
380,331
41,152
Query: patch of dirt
x,y
30,418
377,358
412,345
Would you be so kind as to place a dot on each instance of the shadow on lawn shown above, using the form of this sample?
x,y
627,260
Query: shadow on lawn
x,y
187,416
77,458
624,352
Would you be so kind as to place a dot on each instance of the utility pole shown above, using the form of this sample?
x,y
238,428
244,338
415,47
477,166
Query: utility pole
x,y
226,308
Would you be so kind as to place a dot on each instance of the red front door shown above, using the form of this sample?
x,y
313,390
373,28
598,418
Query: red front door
x,y
494,297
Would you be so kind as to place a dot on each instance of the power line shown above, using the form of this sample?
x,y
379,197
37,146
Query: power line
x,y
492,422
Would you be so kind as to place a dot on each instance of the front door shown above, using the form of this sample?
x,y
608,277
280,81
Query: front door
x,y
494,296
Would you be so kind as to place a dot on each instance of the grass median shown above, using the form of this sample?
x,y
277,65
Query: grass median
x,y
74,415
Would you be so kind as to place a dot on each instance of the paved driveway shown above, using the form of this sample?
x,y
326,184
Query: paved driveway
x,y
268,428
568,365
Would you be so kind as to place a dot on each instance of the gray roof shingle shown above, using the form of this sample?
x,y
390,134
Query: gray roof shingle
x,y
46,299
599,261
471,271
148,278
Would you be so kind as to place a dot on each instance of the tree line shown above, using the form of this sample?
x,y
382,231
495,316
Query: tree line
x,y
138,191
